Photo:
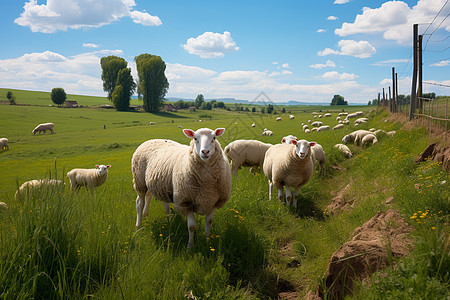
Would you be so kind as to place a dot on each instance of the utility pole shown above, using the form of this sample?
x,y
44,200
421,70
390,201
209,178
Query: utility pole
x,y
419,87
378,101
396,93
414,78
393,90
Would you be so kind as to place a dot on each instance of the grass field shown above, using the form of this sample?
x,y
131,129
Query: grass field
x,y
64,245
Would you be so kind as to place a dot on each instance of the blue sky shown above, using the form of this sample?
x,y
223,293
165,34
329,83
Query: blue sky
x,y
290,50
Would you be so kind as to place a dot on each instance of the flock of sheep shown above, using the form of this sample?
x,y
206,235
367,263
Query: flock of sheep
x,y
196,178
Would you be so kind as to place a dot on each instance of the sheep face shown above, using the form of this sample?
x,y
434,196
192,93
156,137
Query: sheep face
x,y
102,169
346,139
302,147
205,141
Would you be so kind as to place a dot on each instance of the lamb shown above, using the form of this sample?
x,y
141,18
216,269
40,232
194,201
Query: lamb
x,y
288,139
43,127
4,144
247,153
355,136
90,178
27,187
344,149
290,166
338,126
267,133
291,117
318,155
279,119
196,178
369,139
323,128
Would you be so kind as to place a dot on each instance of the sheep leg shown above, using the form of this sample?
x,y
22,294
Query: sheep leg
x,y
280,195
270,189
167,209
295,196
288,195
192,224
148,197
208,222
140,200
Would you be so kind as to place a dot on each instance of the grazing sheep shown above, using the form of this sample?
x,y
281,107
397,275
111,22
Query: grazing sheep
x,y
344,149
200,120
196,178
267,133
247,153
4,144
179,126
369,139
320,116
359,113
253,125
323,128
152,123
338,118
318,155
90,178
43,127
372,129
309,121
327,115
343,114
338,126
350,116
288,139
355,136
361,120
27,187
314,128
307,130
291,117
290,166
279,119
3,205
305,127
316,124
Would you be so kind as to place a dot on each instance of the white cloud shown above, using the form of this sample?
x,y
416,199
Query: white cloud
x,y
395,19
286,66
90,45
69,14
321,30
339,76
442,63
361,49
332,18
341,1
211,45
329,63
390,62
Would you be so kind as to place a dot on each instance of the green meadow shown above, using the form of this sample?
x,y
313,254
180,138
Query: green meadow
x,y
60,244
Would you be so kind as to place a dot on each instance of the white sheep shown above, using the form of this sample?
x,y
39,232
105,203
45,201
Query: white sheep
x,y
246,153
338,118
253,125
350,116
316,123
327,115
3,205
323,128
355,136
361,120
291,117
344,149
290,166
369,139
314,128
320,116
279,119
267,133
318,156
288,139
305,127
307,130
338,126
43,127
152,123
4,144
28,187
391,133
90,178
196,178
359,113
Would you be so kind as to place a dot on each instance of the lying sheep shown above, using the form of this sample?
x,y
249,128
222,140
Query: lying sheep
x,y
327,115
361,120
4,144
369,139
267,133
90,178
305,127
28,187
338,126
316,124
246,153
288,139
323,128
196,178
344,149
343,114
290,166
3,205
43,127
279,119
291,117
355,136
253,125
307,130
391,133
318,156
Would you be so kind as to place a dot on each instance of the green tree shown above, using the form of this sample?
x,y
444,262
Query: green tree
x,y
220,104
153,83
58,96
208,106
263,110
11,98
117,97
269,108
111,65
199,101
254,109
369,103
283,110
338,100
127,87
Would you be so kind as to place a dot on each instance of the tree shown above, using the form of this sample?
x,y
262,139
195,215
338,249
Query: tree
x,y
338,100
369,103
121,100
254,109
153,83
269,108
11,98
199,101
58,96
111,65
208,106
220,104
283,110
263,110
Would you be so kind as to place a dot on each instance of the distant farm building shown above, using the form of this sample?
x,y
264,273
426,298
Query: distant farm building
x,y
169,107
71,103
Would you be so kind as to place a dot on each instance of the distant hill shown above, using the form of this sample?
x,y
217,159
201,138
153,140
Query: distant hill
x,y
233,100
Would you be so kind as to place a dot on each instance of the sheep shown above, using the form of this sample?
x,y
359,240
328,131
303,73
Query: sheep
x,y
179,126
343,114
288,139
314,128
43,127
309,121
318,155
305,127
350,116
307,130
3,205
279,119
372,129
90,178
200,120
338,126
320,116
152,123
344,149
196,178
359,113
355,136
338,118
291,117
391,133
27,187
4,144
253,125
267,133
327,115
247,153
323,128
361,120
316,124
290,166
369,139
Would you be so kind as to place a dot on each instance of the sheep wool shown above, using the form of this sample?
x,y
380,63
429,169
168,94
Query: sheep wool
x,y
355,136
288,165
90,178
196,178
246,153
43,127
318,155
344,149
369,139
27,187
4,144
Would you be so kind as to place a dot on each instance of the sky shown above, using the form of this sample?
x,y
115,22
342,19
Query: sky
x,y
286,50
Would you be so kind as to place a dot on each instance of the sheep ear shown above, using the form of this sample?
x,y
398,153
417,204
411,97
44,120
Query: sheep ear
x,y
108,166
294,142
219,131
189,133
97,166
283,140
312,144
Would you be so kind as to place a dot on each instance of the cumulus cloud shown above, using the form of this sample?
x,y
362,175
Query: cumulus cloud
x,y
336,75
361,49
211,45
68,14
321,30
390,62
332,18
285,65
341,1
442,63
395,19
90,45
329,63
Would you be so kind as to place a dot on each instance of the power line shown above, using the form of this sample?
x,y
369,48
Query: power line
x,y
432,83
437,26
407,64
436,16
437,50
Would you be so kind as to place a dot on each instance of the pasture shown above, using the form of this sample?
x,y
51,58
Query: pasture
x,y
64,245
